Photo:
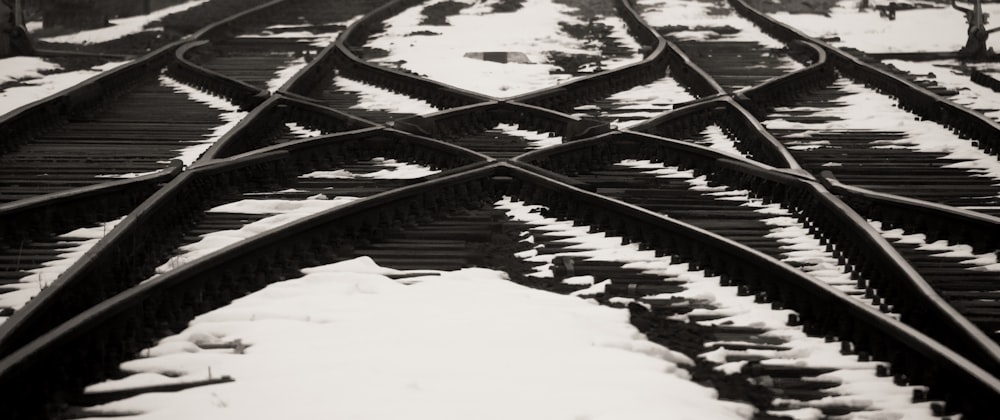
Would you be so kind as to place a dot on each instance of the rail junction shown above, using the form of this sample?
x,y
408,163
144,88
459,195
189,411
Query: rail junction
x,y
744,172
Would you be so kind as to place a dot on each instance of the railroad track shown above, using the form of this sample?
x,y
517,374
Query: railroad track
x,y
329,165
827,130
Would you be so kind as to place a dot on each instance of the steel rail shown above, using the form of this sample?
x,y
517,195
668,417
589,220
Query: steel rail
x,y
126,257
662,56
754,138
81,349
262,123
937,220
868,254
915,98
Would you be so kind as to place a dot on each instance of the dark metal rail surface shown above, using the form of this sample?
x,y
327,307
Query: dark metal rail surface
x,y
102,310
125,257
114,329
879,272
92,153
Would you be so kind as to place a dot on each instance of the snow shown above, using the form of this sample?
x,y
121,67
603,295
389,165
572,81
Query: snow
x,y
986,261
394,170
33,86
127,175
640,103
948,74
798,246
860,386
318,39
278,213
864,109
121,27
476,29
695,14
302,132
376,98
75,244
21,67
285,74
718,140
536,140
909,32
346,340
231,115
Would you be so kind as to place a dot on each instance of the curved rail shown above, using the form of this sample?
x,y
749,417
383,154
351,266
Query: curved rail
x,y
379,140
755,140
81,327
47,112
265,123
817,74
220,29
237,92
937,221
29,120
471,119
663,55
339,55
83,348
912,97
868,255
21,220
126,257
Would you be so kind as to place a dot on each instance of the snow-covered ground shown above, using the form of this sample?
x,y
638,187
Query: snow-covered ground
x,y
948,73
374,342
439,51
353,340
859,387
34,85
121,27
17,68
27,71
703,20
319,35
934,29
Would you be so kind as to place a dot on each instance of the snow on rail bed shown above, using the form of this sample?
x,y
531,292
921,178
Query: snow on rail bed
x,y
121,27
863,108
451,53
74,245
859,386
278,212
939,28
318,37
34,78
956,76
702,20
355,340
